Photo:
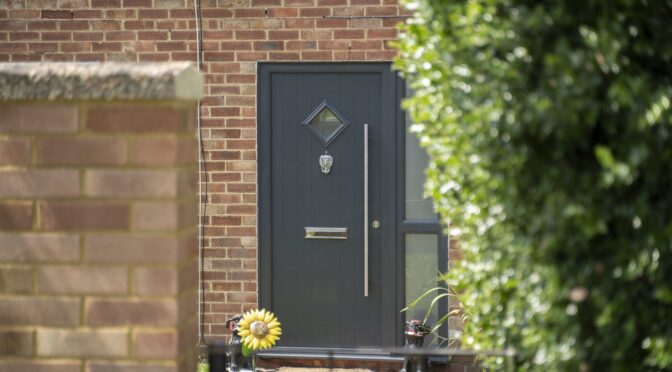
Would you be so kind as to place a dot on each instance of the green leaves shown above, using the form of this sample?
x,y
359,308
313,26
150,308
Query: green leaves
x,y
246,350
614,170
203,367
548,129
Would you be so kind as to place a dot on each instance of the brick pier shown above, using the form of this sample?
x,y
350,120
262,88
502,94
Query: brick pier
x,y
98,248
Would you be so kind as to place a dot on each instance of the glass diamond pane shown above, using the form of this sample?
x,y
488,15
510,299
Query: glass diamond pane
x,y
326,123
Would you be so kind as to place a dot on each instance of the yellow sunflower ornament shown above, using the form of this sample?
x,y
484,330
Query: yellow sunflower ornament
x,y
259,329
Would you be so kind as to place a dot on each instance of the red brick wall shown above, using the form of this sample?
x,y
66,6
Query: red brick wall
x,y
237,34
97,239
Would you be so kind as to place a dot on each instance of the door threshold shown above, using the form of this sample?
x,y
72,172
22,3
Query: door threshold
x,y
367,354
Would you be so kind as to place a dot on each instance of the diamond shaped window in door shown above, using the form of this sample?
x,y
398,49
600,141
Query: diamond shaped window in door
x,y
325,123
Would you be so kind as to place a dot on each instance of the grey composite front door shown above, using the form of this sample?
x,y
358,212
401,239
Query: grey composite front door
x,y
317,171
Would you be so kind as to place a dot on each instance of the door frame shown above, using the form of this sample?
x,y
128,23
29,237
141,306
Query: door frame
x,y
390,150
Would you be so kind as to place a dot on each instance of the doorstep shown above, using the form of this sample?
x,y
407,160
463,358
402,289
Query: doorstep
x,y
313,369
320,359
355,354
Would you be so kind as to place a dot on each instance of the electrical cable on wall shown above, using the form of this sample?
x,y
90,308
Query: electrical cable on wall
x,y
202,178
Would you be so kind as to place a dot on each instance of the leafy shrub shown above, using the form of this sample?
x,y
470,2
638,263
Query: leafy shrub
x,y
549,130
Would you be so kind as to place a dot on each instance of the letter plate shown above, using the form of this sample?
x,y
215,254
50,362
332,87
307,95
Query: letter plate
x,y
326,232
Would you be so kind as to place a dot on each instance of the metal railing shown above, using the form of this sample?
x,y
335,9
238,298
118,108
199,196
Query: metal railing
x,y
224,359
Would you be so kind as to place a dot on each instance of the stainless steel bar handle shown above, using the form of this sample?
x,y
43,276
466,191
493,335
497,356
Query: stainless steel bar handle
x,y
366,210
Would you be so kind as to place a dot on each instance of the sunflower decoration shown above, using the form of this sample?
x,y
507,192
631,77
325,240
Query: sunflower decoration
x,y
259,329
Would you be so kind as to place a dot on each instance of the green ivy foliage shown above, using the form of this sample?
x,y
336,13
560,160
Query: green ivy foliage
x,y
549,129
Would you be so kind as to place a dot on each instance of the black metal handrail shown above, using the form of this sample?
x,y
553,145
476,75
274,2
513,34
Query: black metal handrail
x,y
219,357
450,352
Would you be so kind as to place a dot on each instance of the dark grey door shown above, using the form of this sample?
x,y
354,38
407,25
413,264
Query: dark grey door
x,y
312,116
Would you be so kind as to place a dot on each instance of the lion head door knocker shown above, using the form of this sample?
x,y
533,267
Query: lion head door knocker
x,y
325,123
326,161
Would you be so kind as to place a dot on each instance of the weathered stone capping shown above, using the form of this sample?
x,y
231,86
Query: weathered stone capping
x,y
95,81
98,217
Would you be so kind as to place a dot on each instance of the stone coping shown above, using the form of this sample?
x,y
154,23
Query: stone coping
x,y
99,81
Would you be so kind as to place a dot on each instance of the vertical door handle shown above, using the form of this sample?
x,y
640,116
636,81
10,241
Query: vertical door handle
x,y
366,210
